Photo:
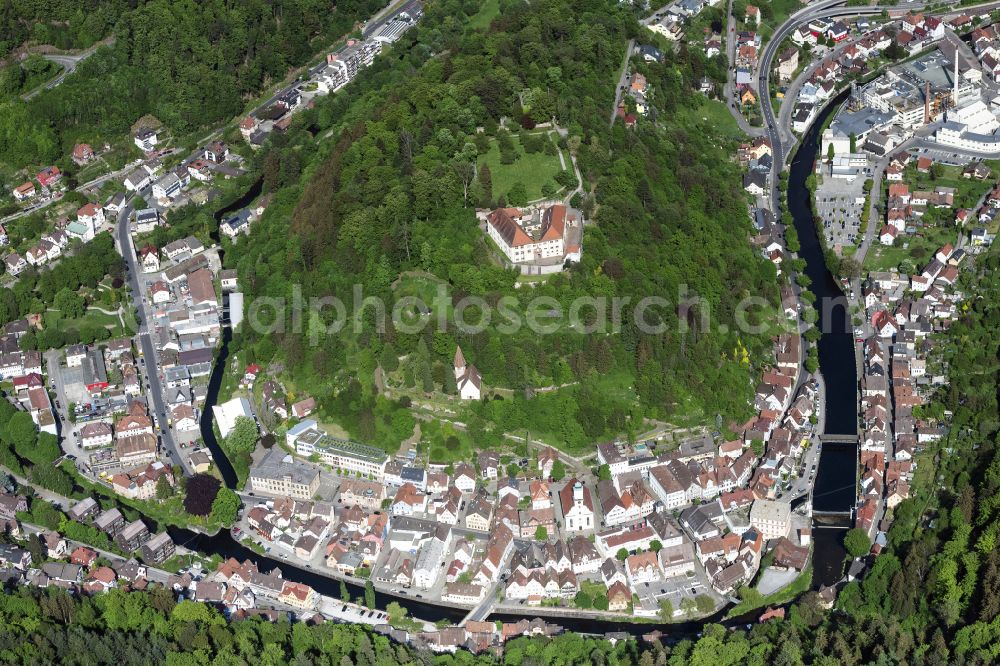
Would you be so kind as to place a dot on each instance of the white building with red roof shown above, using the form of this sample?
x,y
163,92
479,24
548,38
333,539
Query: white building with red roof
x,y
467,378
529,236
24,191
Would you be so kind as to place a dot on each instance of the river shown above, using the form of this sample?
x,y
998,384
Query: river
x,y
219,368
834,489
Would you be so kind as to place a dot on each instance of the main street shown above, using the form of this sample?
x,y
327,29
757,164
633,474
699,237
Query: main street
x,y
157,402
144,340
779,132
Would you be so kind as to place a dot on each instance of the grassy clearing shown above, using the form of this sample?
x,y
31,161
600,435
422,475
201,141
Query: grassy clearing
x,y
716,115
426,290
489,11
775,13
936,227
968,191
447,443
91,319
531,170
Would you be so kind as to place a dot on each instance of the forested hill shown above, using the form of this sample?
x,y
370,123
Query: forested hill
x,y
190,64
393,191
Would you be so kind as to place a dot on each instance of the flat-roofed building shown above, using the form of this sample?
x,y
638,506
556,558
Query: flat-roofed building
x,y
340,453
772,518
227,413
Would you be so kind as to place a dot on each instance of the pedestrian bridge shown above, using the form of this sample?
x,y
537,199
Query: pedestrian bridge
x,y
839,439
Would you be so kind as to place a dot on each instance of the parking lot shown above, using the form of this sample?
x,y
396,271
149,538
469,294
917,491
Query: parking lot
x,y
71,391
839,204
675,590
943,156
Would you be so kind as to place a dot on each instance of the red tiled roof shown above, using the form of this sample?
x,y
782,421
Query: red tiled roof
x,y
508,229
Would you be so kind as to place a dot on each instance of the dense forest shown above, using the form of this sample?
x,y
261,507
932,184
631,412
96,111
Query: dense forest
x,y
393,192
141,628
64,24
190,64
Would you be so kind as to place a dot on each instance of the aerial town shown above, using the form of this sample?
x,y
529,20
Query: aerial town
x,y
729,482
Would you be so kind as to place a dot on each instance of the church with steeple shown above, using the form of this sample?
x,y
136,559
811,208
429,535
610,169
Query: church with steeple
x,y
470,383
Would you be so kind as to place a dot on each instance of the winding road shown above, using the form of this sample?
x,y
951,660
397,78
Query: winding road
x,y
68,62
776,132
778,128
828,9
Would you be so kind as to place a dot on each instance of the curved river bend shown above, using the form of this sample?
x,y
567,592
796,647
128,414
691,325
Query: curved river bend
x,y
835,478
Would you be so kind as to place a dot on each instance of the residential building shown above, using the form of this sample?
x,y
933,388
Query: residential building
x,y
146,139
298,595
111,522
158,549
132,536
95,434
167,186
365,494
788,62
48,176
146,220
15,264
642,568
237,224
82,153
149,258
85,508
137,180
217,152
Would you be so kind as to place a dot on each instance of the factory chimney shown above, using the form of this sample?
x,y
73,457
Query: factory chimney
x,y
955,100
927,102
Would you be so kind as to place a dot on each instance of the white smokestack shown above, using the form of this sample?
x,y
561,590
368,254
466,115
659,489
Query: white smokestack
x,y
956,78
